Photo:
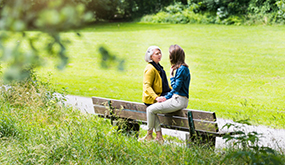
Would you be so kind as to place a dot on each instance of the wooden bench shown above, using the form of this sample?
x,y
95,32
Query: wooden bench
x,y
201,126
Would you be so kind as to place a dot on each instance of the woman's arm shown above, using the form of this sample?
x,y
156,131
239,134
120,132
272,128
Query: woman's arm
x,y
148,80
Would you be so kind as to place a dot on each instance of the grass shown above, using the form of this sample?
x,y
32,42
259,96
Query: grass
x,y
42,130
81,139
50,133
237,71
45,132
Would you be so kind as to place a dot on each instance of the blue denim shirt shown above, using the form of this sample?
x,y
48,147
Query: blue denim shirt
x,y
180,82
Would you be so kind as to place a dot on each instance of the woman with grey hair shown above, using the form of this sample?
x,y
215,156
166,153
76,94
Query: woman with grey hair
x,y
155,82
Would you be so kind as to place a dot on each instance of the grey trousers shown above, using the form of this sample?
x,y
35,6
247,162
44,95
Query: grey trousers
x,y
171,105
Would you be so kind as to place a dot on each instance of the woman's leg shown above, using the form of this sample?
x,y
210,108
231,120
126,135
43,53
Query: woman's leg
x,y
171,105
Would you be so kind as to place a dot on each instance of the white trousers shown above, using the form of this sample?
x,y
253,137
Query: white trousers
x,y
171,105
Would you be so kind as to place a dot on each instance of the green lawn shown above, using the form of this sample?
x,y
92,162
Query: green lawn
x,y
237,71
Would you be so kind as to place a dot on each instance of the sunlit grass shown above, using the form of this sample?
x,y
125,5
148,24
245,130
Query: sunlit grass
x,y
45,131
237,71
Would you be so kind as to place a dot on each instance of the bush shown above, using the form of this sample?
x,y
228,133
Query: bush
x,y
30,93
177,14
246,150
281,10
221,12
232,7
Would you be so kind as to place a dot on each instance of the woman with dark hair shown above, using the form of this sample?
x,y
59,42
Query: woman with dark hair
x,y
176,99
155,82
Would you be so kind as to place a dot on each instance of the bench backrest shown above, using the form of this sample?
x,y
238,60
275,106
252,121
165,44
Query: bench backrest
x,y
204,121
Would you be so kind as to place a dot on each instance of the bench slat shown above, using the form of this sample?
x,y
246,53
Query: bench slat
x,y
183,122
102,110
206,126
201,115
199,124
130,114
100,101
117,104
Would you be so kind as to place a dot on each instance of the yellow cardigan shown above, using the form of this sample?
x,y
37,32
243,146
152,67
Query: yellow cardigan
x,y
152,84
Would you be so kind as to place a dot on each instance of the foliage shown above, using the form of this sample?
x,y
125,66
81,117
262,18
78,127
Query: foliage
x,y
108,60
48,17
101,9
222,12
262,6
246,148
30,92
176,14
136,8
183,18
281,11
225,8
226,11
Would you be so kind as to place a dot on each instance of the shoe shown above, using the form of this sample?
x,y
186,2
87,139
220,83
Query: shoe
x,y
146,138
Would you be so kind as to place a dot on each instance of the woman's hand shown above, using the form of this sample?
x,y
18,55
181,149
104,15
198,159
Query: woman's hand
x,y
160,99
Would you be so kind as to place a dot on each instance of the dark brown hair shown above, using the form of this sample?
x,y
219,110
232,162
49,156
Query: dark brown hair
x,y
176,56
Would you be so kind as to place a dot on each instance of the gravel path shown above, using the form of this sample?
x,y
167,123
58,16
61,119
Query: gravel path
x,y
273,138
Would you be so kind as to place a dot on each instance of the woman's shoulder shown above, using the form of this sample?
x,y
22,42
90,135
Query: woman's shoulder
x,y
183,70
182,67
149,69
149,66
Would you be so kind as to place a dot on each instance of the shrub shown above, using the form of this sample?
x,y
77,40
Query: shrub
x,y
30,92
246,150
222,12
177,14
173,9
281,10
261,19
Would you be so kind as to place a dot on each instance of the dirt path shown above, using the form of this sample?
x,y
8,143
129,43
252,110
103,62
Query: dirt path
x,y
274,138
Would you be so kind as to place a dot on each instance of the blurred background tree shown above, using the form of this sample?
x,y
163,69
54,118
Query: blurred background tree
x,y
43,18
49,18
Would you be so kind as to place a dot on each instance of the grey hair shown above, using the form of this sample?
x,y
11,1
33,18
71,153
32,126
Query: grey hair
x,y
149,52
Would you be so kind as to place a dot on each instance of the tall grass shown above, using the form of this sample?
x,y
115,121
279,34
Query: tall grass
x,y
33,133
46,131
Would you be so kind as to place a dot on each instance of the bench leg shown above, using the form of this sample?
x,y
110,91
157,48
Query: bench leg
x,y
200,140
127,127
